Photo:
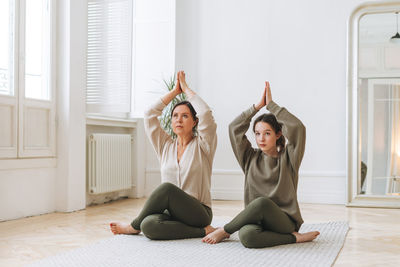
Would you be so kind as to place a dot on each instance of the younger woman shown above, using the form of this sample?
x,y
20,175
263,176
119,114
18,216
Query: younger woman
x,y
271,216
181,206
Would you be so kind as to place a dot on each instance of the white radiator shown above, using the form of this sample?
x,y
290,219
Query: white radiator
x,y
110,162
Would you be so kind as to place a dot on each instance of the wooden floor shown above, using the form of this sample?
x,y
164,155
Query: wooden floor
x,y
373,240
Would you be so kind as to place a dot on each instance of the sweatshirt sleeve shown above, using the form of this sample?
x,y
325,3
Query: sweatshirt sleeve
x,y
293,130
157,136
206,128
241,146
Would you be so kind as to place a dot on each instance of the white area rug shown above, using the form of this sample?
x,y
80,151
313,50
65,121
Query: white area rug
x,y
123,250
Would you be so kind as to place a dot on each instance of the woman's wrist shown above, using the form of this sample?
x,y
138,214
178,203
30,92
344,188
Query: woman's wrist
x,y
258,106
169,96
176,92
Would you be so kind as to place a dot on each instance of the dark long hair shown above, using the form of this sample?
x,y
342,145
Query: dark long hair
x,y
275,125
192,112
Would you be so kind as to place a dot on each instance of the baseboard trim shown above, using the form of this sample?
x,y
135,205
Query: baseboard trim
x,y
224,194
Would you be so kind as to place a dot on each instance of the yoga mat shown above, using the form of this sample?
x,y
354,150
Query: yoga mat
x,y
125,250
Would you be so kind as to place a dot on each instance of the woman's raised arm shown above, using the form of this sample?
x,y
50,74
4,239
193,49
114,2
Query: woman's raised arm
x,y
157,136
206,128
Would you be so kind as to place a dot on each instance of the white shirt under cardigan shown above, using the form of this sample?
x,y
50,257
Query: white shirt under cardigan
x,y
193,172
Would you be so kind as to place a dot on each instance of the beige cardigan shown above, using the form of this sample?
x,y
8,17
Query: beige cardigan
x,y
193,172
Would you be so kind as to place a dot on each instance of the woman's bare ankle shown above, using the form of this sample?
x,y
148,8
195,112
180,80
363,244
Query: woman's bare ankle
x,y
216,236
123,228
305,237
209,229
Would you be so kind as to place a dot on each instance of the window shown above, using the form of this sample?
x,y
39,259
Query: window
x,y
6,47
27,99
131,50
109,57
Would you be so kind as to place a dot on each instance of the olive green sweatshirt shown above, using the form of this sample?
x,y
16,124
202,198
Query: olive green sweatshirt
x,y
266,176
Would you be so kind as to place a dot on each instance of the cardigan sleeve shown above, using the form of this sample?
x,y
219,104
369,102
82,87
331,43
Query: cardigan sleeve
x,y
206,128
157,136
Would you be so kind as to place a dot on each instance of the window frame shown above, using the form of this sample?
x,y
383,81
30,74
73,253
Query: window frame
x,y
20,105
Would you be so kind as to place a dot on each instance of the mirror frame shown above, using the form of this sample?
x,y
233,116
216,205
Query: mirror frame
x,y
352,119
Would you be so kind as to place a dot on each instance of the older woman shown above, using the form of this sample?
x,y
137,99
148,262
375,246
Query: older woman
x,y
181,206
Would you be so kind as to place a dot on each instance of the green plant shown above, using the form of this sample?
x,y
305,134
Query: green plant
x,y
165,118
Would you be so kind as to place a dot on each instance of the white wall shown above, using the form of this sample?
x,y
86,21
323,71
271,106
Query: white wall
x,y
153,50
71,85
229,48
26,192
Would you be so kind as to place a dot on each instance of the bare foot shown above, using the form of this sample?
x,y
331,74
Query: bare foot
x,y
216,236
209,229
123,228
305,237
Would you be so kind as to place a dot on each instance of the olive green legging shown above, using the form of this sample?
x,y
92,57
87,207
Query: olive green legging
x,y
170,213
262,224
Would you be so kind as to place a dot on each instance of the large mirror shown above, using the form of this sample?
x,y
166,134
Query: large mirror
x,y
373,103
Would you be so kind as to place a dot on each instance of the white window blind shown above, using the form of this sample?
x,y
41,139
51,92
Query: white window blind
x,y
109,56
